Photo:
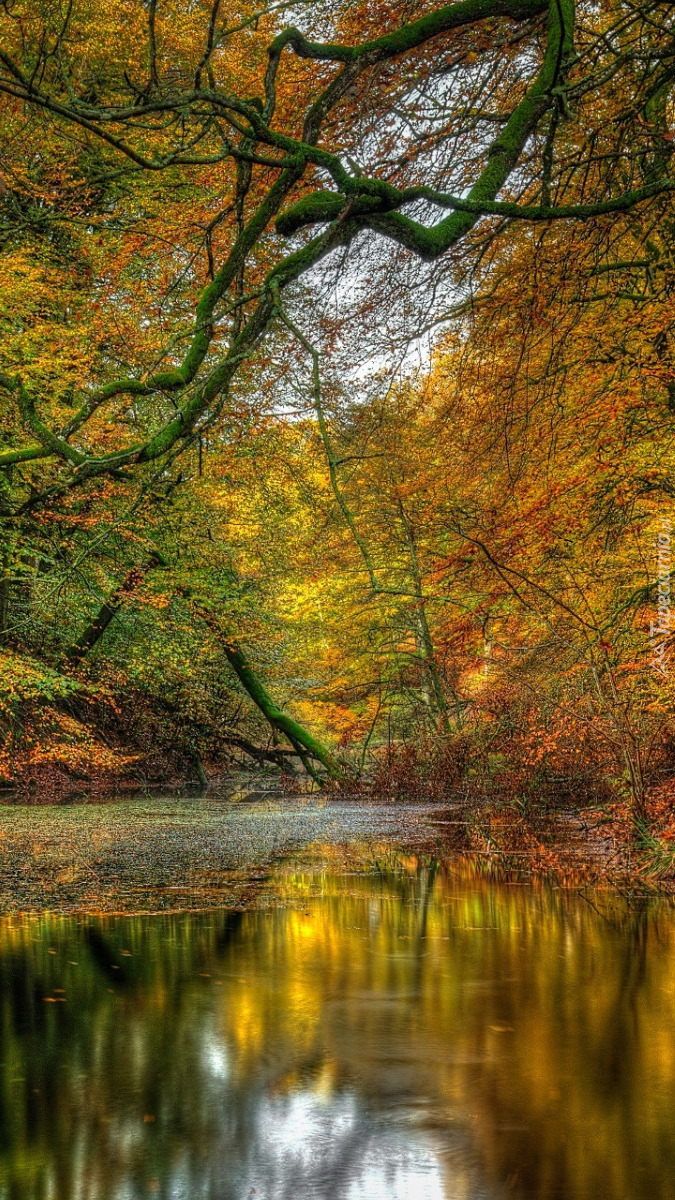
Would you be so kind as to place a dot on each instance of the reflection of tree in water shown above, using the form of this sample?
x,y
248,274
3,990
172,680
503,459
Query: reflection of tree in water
x,y
448,1032
619,1049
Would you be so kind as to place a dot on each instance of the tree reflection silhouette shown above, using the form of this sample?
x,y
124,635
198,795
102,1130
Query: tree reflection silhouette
x,y
407,1032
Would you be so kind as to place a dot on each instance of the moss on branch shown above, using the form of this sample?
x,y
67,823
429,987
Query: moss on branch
x,y
408,37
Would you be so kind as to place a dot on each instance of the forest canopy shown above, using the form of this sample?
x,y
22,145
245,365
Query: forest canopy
x,y
336,389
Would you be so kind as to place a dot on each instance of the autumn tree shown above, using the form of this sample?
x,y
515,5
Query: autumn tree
x,y
172,172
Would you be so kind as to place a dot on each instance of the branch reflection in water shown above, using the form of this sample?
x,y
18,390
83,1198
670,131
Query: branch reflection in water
x,y
414,1031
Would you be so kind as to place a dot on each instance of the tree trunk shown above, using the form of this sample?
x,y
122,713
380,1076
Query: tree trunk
x,y
298,736
6,553
423,633
110,608
202,777
304,742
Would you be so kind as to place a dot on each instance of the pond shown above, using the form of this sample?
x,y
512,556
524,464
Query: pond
x,y
410,1032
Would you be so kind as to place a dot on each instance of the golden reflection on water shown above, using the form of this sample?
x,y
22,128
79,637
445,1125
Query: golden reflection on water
x,y
413,1032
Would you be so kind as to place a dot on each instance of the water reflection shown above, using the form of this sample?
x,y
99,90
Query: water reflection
x,y
413,1033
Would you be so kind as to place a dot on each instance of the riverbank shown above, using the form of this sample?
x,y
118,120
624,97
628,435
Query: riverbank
x,y
189,851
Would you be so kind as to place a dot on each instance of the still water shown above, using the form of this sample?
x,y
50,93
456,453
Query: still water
x,y
414,1033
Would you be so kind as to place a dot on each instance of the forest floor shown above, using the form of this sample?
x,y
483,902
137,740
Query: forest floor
x,y
152,852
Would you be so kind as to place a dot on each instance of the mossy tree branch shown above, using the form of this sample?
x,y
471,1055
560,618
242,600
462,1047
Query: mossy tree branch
x,y
305,743
359,203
